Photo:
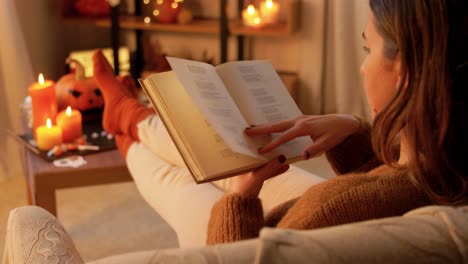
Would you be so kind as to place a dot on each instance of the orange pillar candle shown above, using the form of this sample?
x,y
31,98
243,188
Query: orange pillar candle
x,y
70,123
48,136
44,102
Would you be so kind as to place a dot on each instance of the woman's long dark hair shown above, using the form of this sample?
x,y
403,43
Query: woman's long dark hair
x,y
430,106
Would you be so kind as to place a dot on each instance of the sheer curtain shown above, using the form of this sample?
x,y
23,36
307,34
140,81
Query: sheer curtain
x,y
343,90
15,75
331,56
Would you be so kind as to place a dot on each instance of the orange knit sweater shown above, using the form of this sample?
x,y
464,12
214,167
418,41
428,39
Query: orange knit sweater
x,y
371,191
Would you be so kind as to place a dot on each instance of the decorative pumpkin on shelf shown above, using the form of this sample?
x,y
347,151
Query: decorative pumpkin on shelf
x,y
75,90
166,11
92,7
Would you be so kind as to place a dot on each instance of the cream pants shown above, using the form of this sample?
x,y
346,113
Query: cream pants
x,y
167,185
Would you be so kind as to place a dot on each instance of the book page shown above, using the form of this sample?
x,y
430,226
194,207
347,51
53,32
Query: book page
x,y
204,151
207,90
262,98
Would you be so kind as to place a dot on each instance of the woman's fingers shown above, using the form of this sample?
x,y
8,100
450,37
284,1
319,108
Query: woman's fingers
x,y
281,170
285,137
314,150
269,128
250,184
271,169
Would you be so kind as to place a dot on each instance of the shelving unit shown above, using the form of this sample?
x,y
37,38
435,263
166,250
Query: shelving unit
x,y
198,26
221,27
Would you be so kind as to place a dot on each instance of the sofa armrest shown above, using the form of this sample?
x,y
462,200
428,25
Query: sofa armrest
x,y
433,234
35,236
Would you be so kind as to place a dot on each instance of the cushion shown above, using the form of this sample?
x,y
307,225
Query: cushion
x,y
433,234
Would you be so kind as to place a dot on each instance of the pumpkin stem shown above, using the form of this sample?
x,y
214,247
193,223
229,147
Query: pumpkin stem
x,y
79,69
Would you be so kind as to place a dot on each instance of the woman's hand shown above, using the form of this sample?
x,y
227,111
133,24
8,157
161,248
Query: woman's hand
x,y
327,131
250,184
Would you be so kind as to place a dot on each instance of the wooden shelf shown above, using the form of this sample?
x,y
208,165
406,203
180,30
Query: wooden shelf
x,y
279,30
74,19
136,22
198,26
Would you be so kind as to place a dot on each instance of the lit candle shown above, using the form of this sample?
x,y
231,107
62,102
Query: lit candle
x,y
269,11
48,136
251,18
43,100
70,123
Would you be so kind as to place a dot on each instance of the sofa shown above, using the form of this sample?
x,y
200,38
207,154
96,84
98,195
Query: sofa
x,y
433,234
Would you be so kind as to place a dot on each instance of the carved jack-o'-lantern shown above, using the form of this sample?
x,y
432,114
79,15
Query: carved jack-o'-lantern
x,y
76,91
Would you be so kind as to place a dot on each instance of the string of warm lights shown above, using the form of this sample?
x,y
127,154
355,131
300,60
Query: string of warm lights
x,y
161,6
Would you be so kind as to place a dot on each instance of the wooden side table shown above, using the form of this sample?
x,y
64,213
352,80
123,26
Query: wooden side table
x,y
43,178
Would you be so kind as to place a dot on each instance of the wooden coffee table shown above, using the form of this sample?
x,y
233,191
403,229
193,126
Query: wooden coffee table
x,y
43,178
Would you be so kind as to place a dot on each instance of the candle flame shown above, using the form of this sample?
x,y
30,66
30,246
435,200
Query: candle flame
x,y
68,111
269,3
250,9
49,123
174,5
257,21
41,78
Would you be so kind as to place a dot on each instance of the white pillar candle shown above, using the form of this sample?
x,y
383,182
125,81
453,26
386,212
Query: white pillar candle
x,y
251,17
269,11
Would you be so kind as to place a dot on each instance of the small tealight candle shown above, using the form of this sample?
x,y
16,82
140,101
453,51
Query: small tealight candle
x,y
269,11
70,123
48,136
43,100
251,17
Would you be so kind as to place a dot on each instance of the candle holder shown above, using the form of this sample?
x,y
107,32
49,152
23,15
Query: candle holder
x,y
26,112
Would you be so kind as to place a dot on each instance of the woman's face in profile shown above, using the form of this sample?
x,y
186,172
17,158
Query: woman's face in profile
x,y
380,74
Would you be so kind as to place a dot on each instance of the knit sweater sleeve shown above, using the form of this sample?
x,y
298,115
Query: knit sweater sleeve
x,y
355,153
353,198
234,218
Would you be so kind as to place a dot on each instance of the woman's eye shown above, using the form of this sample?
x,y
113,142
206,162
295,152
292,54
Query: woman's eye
x,y
366,49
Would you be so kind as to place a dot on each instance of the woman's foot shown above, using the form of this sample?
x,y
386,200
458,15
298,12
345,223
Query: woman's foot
x,y
122,111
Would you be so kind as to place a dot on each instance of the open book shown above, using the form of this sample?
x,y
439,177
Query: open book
x,y
206,109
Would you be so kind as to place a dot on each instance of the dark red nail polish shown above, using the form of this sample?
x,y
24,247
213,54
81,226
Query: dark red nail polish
x,y
281,158
307,155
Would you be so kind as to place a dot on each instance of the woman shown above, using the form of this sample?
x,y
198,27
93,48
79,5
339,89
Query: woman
x,y
415,78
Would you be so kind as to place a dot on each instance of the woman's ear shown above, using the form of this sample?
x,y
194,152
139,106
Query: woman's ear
x,y
402,77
